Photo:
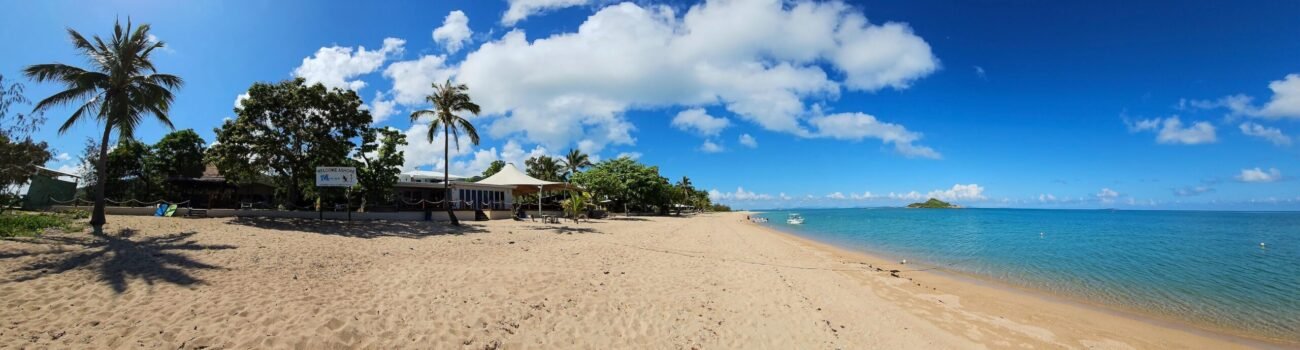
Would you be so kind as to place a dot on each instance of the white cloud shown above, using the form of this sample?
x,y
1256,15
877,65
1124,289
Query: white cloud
x,y
1192,191
979,72
857,126
454,32
63,157
1171,131
700,122
1046,198
337,67
239,100
758,59
864,195
521,9
1259,175
911,196
959,192
784,197
739,195
1107,195
413,80
748,141
836,195
1273,135
710,147
381,109
167,47
632,155
1285,102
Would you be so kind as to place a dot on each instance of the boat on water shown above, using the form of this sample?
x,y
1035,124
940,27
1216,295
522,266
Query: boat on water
x,y
794,219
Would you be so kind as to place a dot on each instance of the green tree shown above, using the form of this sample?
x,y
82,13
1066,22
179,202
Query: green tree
x,y
447,100
683,193
627,183
180,154
131,173
493,168
381,160
288,129
120,90
19,154
544,168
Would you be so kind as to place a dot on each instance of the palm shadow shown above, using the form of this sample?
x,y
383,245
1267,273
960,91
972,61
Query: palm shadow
x,y
564,229
119,258
359,229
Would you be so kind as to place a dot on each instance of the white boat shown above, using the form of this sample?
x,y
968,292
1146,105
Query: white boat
x,y
794,219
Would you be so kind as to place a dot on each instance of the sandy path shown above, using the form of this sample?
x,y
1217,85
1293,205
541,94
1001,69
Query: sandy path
x,y
705,282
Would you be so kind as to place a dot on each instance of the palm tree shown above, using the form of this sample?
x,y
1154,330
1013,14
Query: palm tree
x,y
575,161
685,184
121,89
447,99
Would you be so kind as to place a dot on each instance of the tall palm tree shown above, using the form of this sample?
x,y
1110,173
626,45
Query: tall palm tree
x,y
575,161
685,184
447,100
121,89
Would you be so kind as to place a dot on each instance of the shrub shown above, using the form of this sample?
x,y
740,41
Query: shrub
x,y
21,224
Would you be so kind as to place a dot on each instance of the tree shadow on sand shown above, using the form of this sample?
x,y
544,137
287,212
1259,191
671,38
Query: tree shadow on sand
x,y
118,258
563,229
359,229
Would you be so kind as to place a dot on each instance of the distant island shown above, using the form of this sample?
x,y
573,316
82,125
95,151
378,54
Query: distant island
x,y
934,204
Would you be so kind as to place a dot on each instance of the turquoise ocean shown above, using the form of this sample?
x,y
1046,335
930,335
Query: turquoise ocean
x,y
1200,267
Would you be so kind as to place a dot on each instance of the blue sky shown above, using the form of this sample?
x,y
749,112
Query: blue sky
x,y
1097,104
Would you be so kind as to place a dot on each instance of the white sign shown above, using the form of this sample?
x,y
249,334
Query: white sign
x,y
328,176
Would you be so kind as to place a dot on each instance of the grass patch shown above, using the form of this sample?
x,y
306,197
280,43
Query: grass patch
x,y
15,224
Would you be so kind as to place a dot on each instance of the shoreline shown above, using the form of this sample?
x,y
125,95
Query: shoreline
x,y
983,287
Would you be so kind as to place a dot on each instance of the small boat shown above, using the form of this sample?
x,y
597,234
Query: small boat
x,y
794,219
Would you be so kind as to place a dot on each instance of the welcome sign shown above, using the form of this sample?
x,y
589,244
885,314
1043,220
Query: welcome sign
x,y
336,176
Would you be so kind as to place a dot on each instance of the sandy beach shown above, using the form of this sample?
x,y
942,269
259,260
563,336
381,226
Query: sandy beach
x,y
710,281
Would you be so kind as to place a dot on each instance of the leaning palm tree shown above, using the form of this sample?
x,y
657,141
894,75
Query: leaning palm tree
x,y
121,89
447,100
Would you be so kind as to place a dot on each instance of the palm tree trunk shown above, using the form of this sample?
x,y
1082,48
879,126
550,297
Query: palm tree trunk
x,y
446,166
97,219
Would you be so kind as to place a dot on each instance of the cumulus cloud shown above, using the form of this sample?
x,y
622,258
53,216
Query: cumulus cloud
x,y
413,80
959,192
454,32
1283,104
700,122
739,195
1259,175
863,196
1107,195
836,195
710,147
337,67
381,109
1046,198
63,157
239,100
521,9
857,126
1273,135
758,59
748,141
1172,131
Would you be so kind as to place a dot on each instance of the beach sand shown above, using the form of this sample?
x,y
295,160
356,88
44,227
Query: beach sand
x,y
711,281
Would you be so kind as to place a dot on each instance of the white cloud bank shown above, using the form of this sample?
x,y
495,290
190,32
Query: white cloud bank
x,y
454,32
1172,131
758,59
521,9
1273,135
337,67
1107,195
1259,175
739,195
1284,104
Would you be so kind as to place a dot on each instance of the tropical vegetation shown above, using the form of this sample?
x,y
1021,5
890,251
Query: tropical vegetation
x,y
19,154
119,91
933,204
447,100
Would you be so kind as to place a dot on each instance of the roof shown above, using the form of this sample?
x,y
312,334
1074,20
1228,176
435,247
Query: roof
x,y
56,172
511,176
426,174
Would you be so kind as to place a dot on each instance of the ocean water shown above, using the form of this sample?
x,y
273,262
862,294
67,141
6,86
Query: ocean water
x,y
1204,268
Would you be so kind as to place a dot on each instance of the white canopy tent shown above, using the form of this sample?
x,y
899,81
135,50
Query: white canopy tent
x,y
523,184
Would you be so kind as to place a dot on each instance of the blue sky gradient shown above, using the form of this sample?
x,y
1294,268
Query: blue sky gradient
x,y
1036,104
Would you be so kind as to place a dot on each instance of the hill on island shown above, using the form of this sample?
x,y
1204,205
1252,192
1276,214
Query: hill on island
x,y
934,204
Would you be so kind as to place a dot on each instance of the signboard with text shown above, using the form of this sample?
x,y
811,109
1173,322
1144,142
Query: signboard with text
x,y
336,176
